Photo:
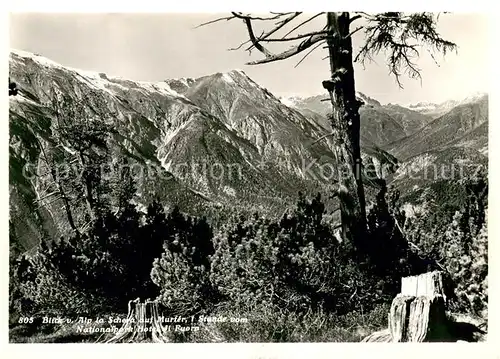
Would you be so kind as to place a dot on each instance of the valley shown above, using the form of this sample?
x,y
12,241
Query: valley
x,y
223,139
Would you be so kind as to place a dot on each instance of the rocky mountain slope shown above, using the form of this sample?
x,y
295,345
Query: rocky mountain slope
x,y
438,157
465,123
217,140
436,110
436,145
380,124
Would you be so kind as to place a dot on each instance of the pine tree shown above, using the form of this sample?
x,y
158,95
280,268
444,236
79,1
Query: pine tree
x,y
81,139
478,288
182,271
124,185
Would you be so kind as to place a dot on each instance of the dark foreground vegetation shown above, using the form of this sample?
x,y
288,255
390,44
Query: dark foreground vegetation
x,y
288,279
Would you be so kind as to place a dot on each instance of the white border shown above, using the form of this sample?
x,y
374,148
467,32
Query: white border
x,y
253,6
288,351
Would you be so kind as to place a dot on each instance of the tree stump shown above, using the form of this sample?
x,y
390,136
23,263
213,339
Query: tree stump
x,y
427,284
417,314
141,325
382,336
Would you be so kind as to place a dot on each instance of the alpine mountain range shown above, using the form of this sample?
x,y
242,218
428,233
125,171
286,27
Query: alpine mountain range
x,y
266,148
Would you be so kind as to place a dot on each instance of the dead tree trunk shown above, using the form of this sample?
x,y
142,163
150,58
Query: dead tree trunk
x,y
345,122
417,314
141,325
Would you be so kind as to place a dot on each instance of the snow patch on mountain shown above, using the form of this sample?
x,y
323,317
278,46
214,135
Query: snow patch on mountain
x,y
20,98
98,80
288,101
185,81
227,78
298,101
437,109
39,59
161,87
474,97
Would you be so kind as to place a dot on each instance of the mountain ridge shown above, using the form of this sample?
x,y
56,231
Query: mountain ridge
x,y
181,125
223,119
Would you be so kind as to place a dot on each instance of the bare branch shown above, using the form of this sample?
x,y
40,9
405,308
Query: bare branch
x,y
354,18
239,46
280,25
364,15
227,18
297,37
280,13
241,16
249,17
254,41
354,31
302,24
433,58
380,16
292,51
310,38
308,53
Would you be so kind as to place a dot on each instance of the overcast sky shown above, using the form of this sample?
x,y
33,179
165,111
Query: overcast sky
x,y
153,47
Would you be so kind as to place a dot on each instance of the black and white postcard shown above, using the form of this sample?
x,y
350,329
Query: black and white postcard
x,y
239,177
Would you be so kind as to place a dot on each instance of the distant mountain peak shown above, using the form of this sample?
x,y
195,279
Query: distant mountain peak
x,y
298,101
367,100
233,76
237,72
97,80
38,58
290,101
475,96
438,109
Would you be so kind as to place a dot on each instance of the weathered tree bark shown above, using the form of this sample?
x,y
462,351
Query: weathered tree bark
x,y
418,319
398,318
382,336
345,122
418,313
427,284
142,324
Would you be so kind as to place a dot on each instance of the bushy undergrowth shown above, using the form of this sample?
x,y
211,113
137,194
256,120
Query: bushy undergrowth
x,y
182,271
289,262
268,323
290,278
46,291
103,268
294,262
458,239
